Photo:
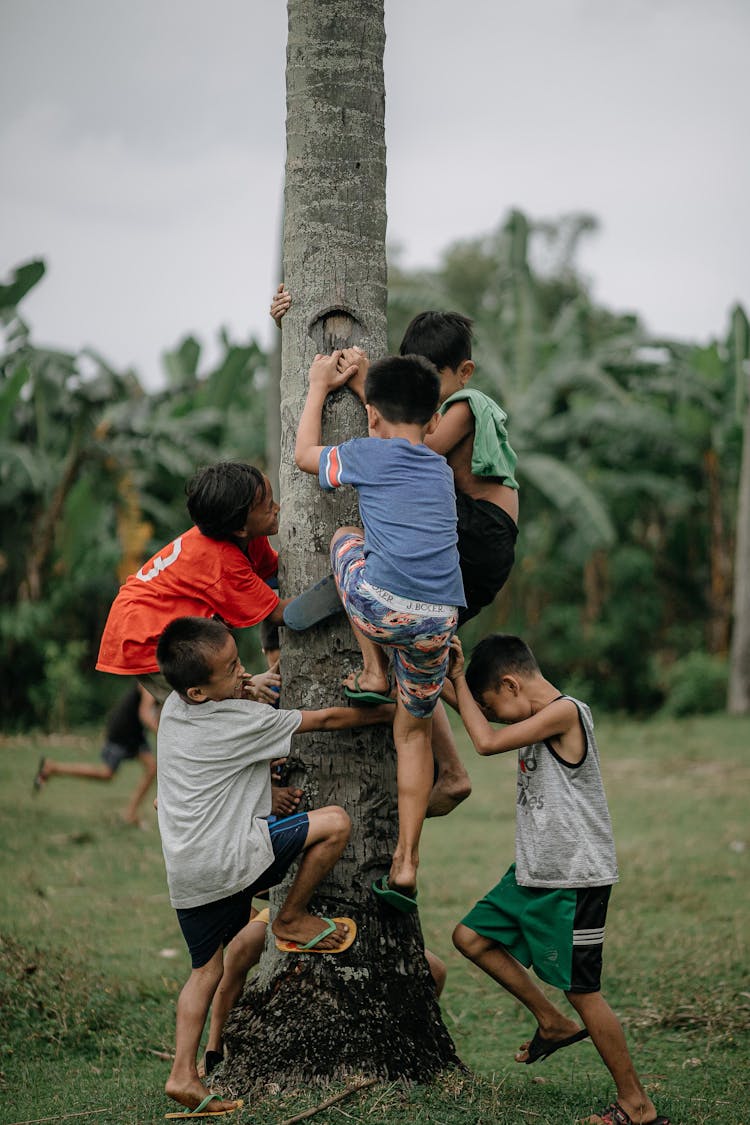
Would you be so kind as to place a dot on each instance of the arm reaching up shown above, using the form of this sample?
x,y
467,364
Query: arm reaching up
x,y
324,378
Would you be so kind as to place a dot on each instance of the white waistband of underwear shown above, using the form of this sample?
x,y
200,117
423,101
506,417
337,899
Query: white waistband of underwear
x,y
408,605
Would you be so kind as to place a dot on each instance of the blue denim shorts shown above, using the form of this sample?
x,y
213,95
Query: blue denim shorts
x,y
208,927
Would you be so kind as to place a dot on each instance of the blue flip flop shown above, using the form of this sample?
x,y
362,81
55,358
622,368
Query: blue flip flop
x,y
407,904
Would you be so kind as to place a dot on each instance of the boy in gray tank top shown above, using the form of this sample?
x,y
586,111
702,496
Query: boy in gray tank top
x,y
549,909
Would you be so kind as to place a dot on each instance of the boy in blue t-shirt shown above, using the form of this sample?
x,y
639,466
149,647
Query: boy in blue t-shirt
x,y
399,579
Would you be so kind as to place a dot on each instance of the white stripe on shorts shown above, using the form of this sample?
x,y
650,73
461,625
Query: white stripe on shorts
x,y
589,937
407,605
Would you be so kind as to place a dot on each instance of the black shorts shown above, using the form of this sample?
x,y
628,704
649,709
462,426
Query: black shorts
x,y
208,927
114,753
486,548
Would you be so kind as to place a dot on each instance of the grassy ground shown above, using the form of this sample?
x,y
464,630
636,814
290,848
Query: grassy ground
x,y
91,958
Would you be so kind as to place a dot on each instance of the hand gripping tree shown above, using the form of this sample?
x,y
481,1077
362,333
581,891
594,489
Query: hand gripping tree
x,y
371,1010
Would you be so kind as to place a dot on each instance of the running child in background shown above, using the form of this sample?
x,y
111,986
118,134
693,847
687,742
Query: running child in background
x,y
125,740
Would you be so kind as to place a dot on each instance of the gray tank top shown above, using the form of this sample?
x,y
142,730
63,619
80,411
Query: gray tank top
x,y
563,829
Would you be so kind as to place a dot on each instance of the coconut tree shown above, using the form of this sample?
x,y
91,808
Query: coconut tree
x,y
378,995
739,674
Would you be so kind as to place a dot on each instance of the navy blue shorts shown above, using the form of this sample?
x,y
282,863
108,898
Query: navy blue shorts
x,y
114,753
211,926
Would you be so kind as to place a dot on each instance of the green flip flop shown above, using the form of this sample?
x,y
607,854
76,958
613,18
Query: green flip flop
x,y
201,1111
407,904
359,696
312,945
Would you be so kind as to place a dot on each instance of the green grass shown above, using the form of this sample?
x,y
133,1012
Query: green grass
x,y
87,982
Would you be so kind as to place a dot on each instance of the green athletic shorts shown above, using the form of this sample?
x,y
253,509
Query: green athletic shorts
x,y
559,933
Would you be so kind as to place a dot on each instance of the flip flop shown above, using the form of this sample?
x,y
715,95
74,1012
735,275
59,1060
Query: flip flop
x,y
614,1114
407,904
201,1111
314,605
311,946
360,696
541,1048
211,1059
39,779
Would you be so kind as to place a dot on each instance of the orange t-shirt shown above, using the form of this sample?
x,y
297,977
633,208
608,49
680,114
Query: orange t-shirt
x,y
193,576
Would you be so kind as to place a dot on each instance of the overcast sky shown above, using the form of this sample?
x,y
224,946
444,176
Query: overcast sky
x,y
142,153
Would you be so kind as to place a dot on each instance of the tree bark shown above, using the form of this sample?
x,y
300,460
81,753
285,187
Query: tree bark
x,y
720,558
738,702
371,1010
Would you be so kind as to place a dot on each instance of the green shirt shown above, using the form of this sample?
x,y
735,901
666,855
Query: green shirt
x,y
491,455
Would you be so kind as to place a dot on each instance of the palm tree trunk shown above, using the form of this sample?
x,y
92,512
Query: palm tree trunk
x,y
373,1009
739,663
739,660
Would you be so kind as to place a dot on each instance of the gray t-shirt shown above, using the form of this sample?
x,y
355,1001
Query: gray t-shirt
x,y
214,786
563,829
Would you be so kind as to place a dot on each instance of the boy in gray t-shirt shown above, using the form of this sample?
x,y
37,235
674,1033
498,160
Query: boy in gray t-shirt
x,y
549,909
220,848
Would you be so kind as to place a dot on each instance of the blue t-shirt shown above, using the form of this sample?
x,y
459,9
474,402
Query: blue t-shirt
x,y
408,507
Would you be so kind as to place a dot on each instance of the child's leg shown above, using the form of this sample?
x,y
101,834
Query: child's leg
x,y
240,955
414,776
50,769
608,1038
374,674
499,964
453,783
183,1083
148,761
327,836
347,560
438,970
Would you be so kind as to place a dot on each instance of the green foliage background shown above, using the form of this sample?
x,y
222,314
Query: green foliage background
x,y
629,451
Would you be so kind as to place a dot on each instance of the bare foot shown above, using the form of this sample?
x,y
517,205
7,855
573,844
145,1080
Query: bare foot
x,y
284,800
302,928
191,1094
135,822
448,791
403,876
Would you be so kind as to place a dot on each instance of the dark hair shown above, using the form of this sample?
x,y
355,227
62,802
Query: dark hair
x,y
220,496
443,337
183,648
403,388
500,654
